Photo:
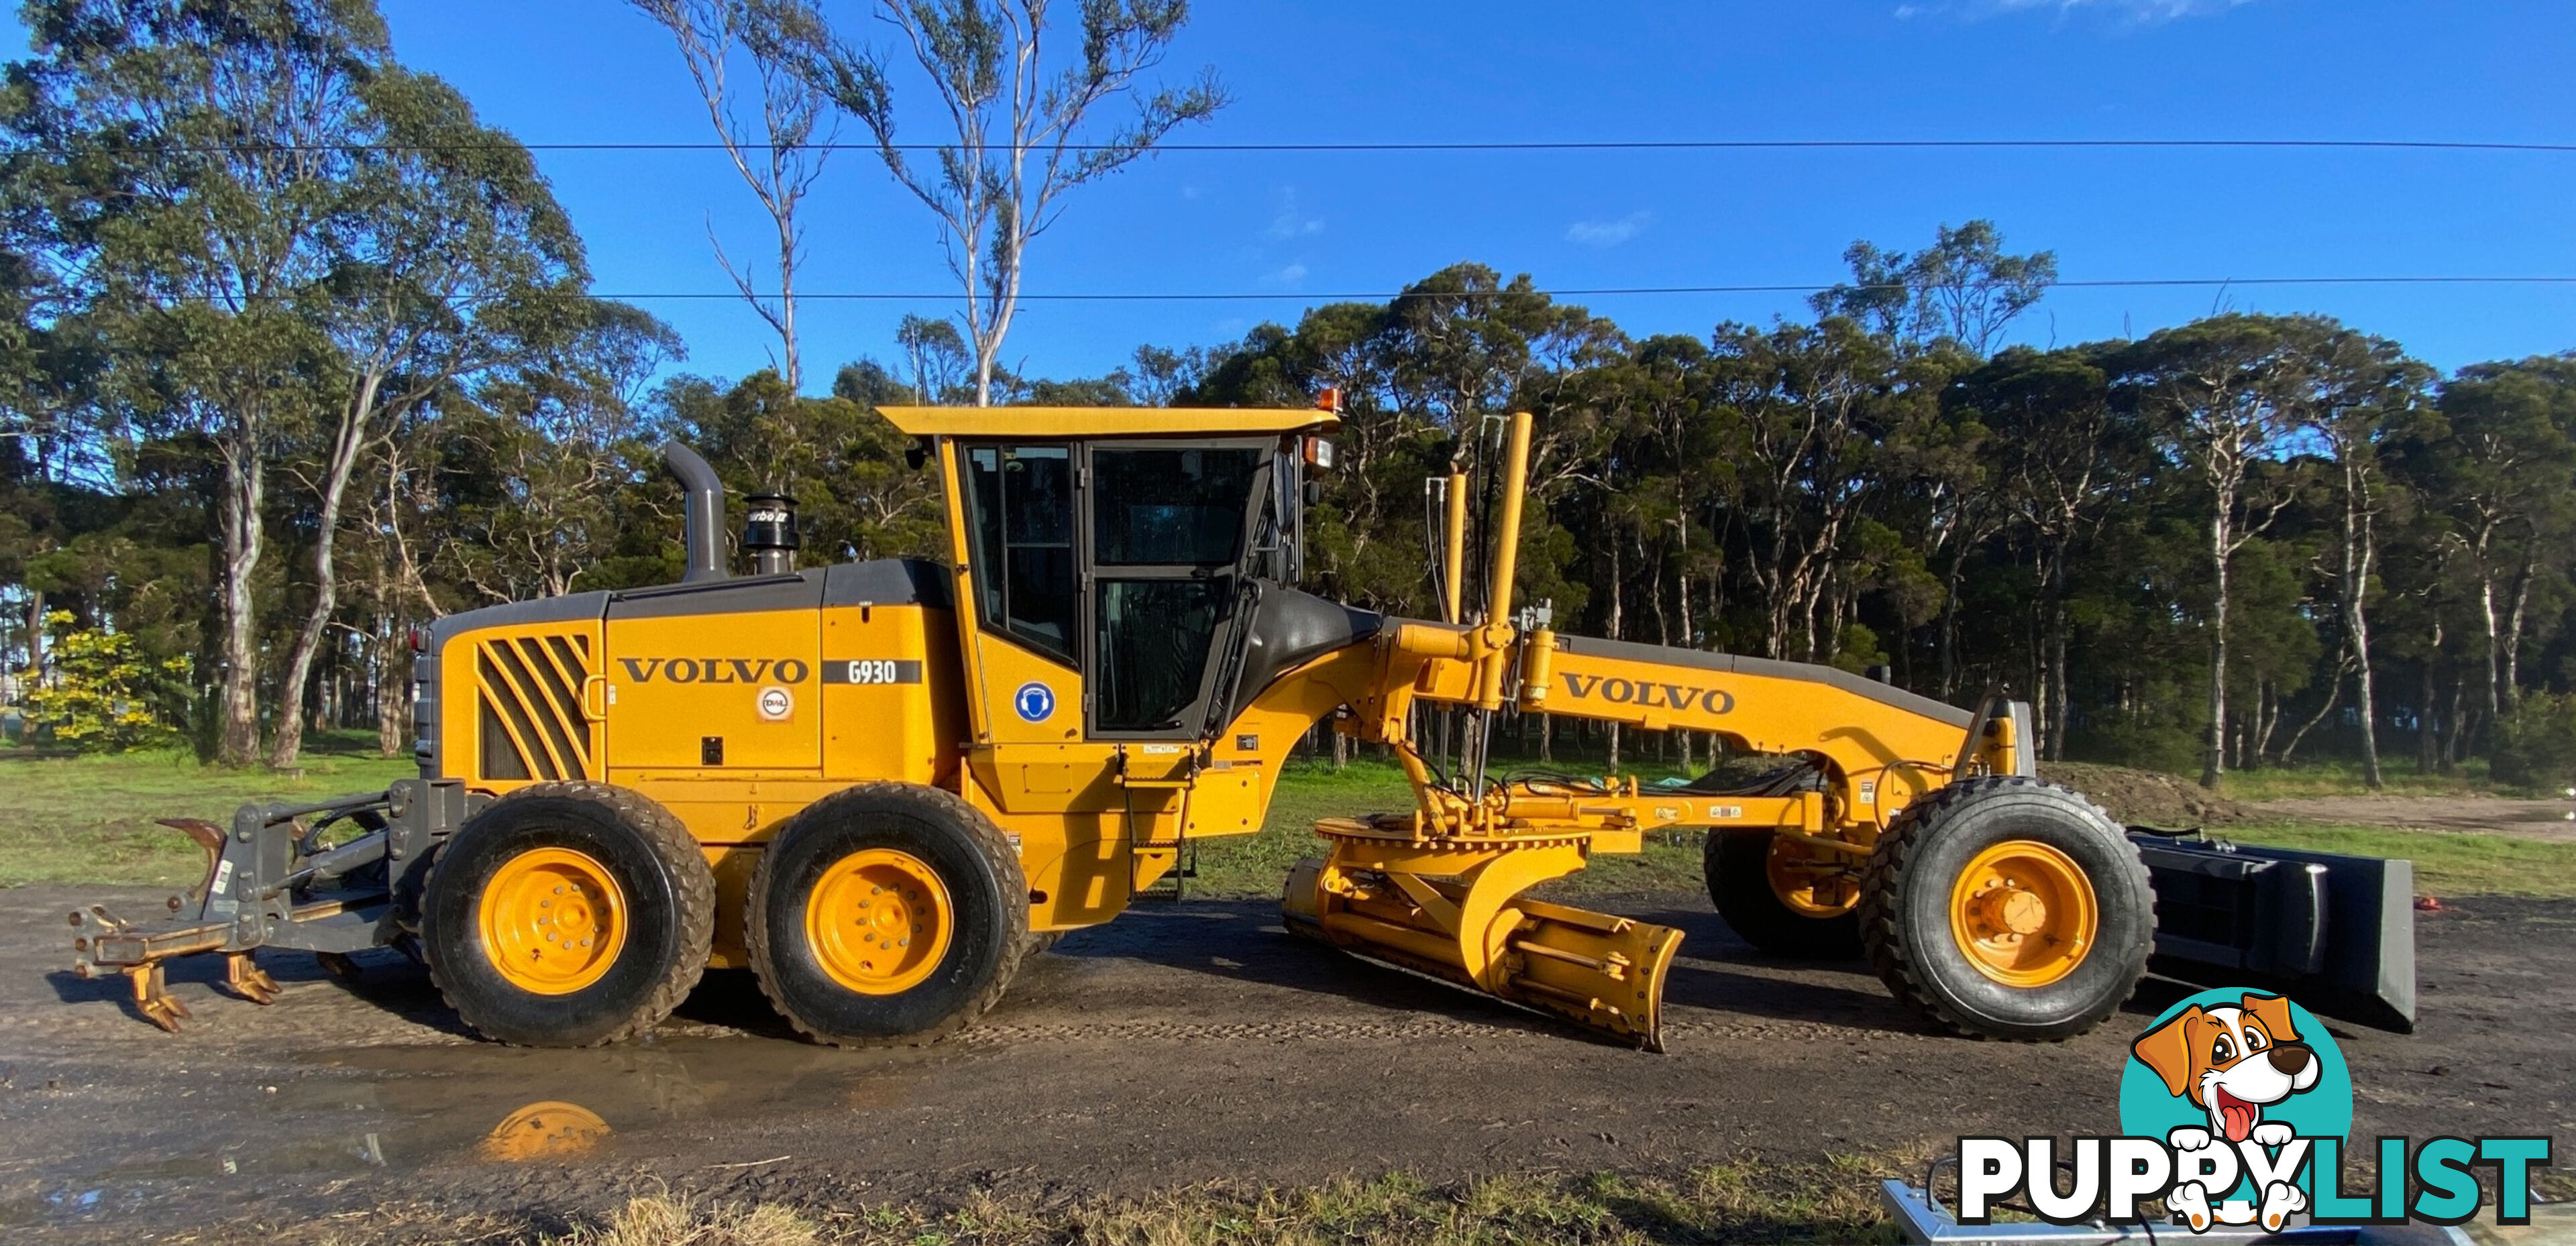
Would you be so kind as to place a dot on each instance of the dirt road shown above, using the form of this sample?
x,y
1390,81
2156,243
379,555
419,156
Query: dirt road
x,y
2545,820
1179,1044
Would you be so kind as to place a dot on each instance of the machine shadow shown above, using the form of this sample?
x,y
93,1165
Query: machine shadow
x,y
1243,942
386,980
389,982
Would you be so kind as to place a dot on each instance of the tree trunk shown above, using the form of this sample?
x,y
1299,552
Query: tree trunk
x,y
1950,621
2214,765
393,687
35,635
2494,639
289,743
2515,621
2356,626
2424,722
2062,699
2456,720
245,485
2334,697
1618,609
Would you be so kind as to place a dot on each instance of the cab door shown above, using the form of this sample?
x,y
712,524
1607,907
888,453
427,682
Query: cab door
x,y
1171,527
1022,537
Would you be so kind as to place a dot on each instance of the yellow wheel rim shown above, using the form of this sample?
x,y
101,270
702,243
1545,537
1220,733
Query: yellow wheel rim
x,y
553,920
879,921
1807,881
2024,913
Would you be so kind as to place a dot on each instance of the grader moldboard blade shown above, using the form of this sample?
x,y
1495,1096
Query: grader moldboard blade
x,y
1450,906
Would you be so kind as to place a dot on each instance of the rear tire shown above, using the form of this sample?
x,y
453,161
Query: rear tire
x,y
1736,864
887,914
505,957
2077,877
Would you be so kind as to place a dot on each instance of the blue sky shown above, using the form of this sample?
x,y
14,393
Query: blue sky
x,y
1431,70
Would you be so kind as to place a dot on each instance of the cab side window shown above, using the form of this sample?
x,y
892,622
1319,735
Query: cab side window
x,y
1022,529
1170,507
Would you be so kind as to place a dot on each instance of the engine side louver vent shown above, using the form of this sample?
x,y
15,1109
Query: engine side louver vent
x,y
532,722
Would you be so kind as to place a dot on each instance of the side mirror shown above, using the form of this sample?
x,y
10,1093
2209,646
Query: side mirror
x,y
916,454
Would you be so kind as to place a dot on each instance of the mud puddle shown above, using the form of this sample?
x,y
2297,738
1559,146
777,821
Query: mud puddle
x,y
319,1118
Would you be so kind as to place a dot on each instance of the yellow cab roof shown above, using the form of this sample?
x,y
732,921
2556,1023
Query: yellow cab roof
x,y
1107,421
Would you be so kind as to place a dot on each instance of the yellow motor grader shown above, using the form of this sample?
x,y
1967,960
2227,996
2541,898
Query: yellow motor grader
x,y
879,785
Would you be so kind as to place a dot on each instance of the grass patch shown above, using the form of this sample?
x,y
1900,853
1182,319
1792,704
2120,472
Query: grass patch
x,y
2339,777
2445,864
1745,1200
90,819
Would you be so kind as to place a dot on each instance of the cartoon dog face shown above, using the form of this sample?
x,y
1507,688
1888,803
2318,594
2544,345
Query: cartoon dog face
x,y
2231,1061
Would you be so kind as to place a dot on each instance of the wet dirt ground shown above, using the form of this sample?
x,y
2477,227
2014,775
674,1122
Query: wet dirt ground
x,y
1182,1043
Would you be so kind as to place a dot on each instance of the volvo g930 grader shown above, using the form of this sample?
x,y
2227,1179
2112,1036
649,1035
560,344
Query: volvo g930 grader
x,y
879,785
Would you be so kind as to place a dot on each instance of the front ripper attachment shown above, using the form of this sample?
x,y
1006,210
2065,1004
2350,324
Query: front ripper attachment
x,y
316,877
1451,906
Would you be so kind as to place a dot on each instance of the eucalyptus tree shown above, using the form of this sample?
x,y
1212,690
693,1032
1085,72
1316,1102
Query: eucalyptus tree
x,y
2223,397
934,356
448,259
2506,469
528,465
775,132
2362,393
1021,96
2062,453
1802,411
1964,288
201,154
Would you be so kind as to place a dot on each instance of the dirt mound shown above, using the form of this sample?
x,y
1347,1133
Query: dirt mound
x,y
2145,797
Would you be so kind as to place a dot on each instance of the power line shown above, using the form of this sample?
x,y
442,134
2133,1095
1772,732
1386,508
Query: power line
x,y
1380,296
1535,145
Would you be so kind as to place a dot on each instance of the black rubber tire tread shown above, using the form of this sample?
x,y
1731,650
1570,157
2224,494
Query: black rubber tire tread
x,y
1735,865
1911,964
977,833
692,892
1038,941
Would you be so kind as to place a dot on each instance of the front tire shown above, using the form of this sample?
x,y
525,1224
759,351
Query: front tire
x,y
568,915
2008,908
886,914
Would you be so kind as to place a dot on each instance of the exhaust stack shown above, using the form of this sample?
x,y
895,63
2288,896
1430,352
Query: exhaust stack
x,y
704,521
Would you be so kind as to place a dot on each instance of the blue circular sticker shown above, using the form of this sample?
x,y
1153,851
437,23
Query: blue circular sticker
x,y
1035,702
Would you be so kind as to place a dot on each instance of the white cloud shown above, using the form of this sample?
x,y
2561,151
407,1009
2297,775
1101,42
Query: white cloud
x,y
2134,12
1609,233
1291,223
1290,275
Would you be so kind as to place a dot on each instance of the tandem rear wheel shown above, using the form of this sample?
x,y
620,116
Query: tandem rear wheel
x,y
886,914
568,915
2008,908
1782,896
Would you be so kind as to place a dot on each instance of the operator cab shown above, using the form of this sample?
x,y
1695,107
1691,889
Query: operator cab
x,y
1149,554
